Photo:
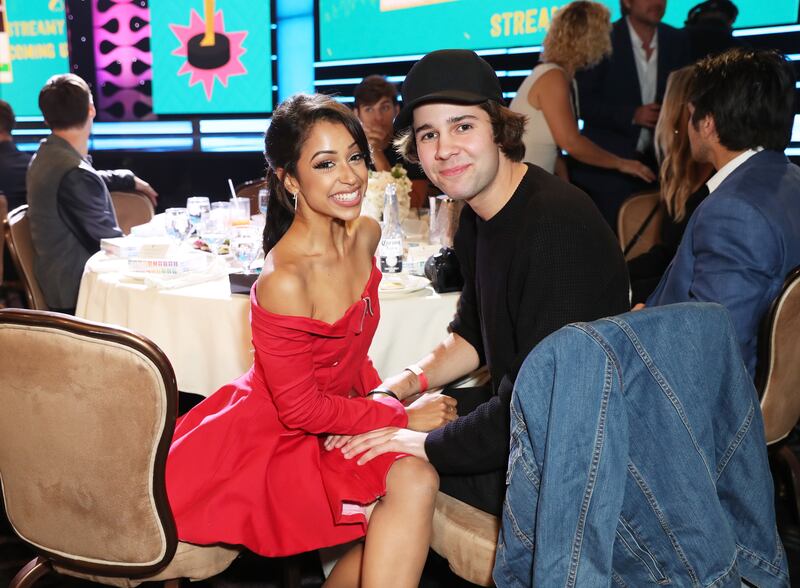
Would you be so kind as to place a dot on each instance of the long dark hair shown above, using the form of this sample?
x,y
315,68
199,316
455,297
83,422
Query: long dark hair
x,y
291,123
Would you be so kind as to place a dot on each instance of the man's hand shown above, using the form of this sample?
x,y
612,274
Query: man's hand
x,y
639,306
336,441
647,115
141,186
430,411
388,439
377,137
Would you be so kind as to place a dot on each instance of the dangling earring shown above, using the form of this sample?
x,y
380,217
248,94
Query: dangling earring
x,y
295,201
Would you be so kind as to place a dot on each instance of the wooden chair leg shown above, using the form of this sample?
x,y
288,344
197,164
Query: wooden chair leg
x,y
30,574
174,583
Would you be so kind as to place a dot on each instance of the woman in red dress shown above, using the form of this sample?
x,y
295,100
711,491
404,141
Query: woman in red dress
x,y
249,465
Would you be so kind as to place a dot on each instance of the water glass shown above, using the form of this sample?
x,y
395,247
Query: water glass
x,y
263,197
240,211
196,206
214,228
245,246
177,223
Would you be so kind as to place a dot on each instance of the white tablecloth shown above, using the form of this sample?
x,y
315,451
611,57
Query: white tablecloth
x,y
205,330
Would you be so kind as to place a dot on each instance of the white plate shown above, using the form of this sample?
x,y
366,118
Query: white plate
x,y
396,285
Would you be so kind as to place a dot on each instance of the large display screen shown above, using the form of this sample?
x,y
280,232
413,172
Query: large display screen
x,y
33,47
211,56
357,29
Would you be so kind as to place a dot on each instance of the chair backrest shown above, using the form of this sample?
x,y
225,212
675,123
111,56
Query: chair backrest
x,y
88,412
249,189
20,248
639,224
132,209
778,371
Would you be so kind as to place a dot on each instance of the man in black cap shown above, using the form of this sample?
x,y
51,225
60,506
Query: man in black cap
x,y
535,254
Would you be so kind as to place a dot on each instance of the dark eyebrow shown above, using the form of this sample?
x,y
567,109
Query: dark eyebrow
x,y
330,152
451,121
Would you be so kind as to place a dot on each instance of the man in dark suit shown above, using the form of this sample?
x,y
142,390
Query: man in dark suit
x,y
744,238
619,99
13,162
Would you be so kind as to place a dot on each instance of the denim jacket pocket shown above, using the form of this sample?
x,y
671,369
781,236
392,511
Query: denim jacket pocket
x,y
635,546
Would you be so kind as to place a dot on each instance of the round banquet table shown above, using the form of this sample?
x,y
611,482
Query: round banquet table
x,y
204,329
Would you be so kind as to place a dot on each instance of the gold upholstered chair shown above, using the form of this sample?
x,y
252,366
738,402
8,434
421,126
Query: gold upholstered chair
x,y
88,412
17,232
639,223
778,384
132,208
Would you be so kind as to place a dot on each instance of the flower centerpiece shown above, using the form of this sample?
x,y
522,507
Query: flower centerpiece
x,y
373,199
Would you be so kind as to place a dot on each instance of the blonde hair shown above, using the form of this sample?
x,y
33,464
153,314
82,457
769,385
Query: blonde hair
x,y
679,174
579,36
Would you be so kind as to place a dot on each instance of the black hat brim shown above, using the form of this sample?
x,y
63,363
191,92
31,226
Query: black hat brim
x,y
405,117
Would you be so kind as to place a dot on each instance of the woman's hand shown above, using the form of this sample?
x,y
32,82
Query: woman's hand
x,y
430,411
638,169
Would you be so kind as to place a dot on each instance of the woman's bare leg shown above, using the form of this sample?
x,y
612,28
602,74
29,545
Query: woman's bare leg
x,y
347,571
399,532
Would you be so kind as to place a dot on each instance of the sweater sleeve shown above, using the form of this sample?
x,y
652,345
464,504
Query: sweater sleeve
x,y
570,277
118,179
466,322
286,358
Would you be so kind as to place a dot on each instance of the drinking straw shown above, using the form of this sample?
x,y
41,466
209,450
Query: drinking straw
x,y
233,192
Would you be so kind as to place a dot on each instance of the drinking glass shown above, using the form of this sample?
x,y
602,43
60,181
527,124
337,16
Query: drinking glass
x,y
240,211
196,206
245,246
263,197
177,223
214,228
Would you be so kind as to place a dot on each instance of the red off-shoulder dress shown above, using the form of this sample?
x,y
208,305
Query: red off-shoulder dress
x,y
247,465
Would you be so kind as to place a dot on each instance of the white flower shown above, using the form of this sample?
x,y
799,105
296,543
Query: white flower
x,y
373,199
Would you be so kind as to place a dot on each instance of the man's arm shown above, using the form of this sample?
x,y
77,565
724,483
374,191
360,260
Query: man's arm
x,y
85,209
737,256
452,358
125,180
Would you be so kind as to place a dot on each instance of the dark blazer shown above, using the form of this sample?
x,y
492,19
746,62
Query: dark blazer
x,y
609,92
13,167
739,245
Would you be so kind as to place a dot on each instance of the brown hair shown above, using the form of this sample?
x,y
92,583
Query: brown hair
x,y
507,126
679,174
64,101
288,130
579,36
7,118
372,89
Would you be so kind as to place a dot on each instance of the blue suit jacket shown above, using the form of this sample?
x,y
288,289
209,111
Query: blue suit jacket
x,y
609,92
739,245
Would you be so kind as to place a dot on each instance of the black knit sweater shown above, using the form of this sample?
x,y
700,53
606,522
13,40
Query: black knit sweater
x,y
545,260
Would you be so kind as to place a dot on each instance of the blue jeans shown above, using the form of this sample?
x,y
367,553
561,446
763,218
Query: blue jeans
x,y
638,458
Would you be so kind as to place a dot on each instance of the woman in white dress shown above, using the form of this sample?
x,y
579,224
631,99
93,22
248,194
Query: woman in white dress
x,y
579,37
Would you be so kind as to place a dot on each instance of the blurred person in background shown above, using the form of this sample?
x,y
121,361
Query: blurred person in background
x,y
709,26
682,185
70,207
579,37
376,106
621,96
13,162
743,240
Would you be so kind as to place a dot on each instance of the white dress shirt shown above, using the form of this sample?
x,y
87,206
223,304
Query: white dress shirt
x,y
647,69
727,169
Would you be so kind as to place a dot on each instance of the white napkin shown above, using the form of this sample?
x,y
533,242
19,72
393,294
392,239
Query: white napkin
x,y
154,228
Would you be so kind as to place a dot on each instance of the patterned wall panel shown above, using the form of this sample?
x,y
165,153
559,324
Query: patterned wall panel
x,y
123,59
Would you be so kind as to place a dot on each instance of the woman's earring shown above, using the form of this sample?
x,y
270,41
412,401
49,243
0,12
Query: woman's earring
x,y
295,201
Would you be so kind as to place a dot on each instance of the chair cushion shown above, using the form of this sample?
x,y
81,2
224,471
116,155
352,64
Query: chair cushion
x,y
466,537
195,562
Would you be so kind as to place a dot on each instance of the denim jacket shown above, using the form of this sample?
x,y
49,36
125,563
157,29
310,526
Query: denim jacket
x,y
638,459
